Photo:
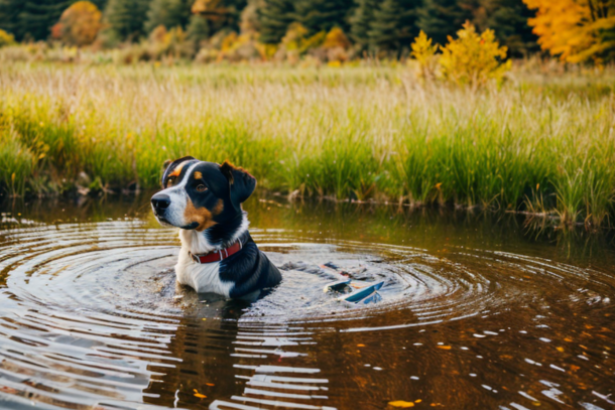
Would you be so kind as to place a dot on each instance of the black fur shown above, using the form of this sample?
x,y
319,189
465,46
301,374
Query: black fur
x,y
250,270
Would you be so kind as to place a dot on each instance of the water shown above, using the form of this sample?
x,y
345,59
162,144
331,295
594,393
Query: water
x,y
478,312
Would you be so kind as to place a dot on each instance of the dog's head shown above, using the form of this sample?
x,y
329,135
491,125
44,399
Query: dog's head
x,y
197,194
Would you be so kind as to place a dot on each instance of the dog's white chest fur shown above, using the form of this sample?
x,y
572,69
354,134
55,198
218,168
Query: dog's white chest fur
x,y
203,278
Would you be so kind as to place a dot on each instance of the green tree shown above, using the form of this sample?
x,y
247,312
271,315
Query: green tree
x,y
168,13
442,18
198,29
508,18
323,15
31,19
274,17
393,25
126,18
9,17
361,20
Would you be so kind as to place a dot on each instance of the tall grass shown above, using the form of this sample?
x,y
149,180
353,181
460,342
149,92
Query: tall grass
x,y
541,143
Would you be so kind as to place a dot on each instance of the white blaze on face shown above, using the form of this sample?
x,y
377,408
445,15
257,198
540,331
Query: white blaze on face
x,y
175,213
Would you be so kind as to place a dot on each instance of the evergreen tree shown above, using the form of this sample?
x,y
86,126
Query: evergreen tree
x,y
32,19
508,18
198,29
168,13
393,25
442,18
323,15
361,20
126,18
274,17
9,17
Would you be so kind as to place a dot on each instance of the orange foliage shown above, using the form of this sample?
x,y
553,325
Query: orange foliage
x,y
79,24
573,29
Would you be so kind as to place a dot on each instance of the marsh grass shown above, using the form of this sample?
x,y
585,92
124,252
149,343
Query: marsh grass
x,y
541,143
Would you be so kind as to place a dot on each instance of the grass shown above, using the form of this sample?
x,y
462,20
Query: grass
x,y
541,143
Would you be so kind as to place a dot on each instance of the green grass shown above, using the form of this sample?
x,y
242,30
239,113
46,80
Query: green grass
x,y
541,143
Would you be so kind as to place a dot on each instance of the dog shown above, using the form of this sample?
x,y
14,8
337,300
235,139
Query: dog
x,y
203,199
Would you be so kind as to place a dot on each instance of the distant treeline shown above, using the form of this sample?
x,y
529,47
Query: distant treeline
x,y
374,26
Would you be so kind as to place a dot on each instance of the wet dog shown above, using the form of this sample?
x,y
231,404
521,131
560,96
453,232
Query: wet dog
x,y
218,255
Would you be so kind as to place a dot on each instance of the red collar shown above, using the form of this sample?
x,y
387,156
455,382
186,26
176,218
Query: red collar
x,y
217,256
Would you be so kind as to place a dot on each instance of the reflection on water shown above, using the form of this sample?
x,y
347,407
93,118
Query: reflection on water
x,y
478,311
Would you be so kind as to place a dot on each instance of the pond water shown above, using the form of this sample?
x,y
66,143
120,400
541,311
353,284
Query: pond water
x,y
477,312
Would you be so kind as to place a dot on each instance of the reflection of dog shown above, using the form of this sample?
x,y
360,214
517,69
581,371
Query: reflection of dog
x,y
218,255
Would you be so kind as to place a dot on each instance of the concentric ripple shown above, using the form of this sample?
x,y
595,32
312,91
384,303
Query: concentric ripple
x,y
91,318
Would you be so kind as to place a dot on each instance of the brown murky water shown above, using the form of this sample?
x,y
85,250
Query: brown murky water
x,y
478,312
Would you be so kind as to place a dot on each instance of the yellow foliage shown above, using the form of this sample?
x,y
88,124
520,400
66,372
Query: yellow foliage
x,y
573,29
6,39
336,38
79,24
473,59
423,51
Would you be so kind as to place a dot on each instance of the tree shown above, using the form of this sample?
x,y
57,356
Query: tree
x,y
274,17
323,15
393,25
79,24
509,20
473,58
198,29
31,19
168,13
126,18
361,20
9,17
576,30
441,18
220,14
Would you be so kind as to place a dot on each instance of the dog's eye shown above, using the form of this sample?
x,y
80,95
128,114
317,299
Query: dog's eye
x,y
170,181
201,188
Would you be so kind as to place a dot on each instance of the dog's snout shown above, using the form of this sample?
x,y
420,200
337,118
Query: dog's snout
x,y
160,202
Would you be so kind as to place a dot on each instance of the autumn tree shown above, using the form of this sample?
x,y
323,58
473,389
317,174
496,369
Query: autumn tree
x,y
79,24
576,30
472,58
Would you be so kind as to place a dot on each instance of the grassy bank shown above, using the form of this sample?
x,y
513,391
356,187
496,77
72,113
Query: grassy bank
x,y
542,143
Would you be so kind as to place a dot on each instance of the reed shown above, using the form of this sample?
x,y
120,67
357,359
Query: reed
x,y
541,143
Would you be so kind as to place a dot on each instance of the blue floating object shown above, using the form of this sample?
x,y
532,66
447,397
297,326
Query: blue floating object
x,y
362,293
373,298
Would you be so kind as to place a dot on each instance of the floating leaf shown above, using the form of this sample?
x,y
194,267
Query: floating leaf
x,y
444,347
401,403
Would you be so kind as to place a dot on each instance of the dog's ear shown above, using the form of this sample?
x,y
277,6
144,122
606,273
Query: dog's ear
x,y
169,166
241,183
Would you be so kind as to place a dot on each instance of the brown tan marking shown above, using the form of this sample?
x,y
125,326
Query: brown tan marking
x,y
198,175
218,208
201,215
174,174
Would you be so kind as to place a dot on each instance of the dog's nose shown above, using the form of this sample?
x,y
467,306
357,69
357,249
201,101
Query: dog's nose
x,y
160,202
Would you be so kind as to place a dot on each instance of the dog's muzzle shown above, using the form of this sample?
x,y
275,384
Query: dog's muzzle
x,y
160,203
